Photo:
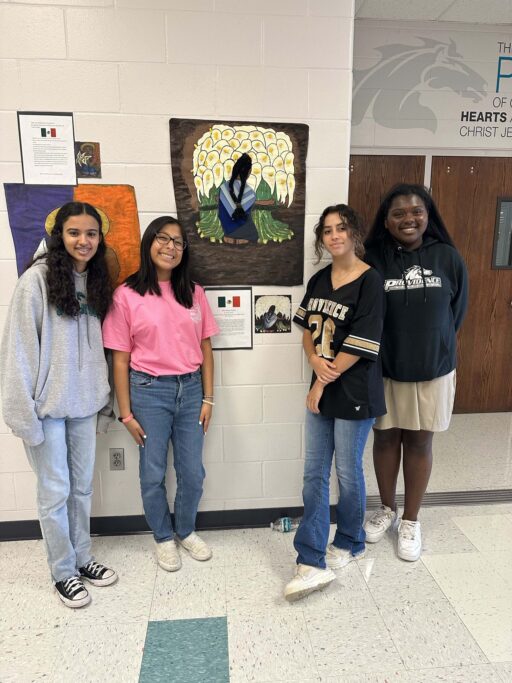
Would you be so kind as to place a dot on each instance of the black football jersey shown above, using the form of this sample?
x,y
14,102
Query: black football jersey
x,y
347,319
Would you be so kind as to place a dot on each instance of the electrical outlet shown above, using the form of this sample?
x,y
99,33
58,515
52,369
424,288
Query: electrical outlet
x,y
116,458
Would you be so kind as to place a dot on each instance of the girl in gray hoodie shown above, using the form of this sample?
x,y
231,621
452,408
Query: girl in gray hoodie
x,y
56,392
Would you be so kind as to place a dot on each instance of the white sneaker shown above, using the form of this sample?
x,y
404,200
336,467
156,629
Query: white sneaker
x,y
196,547
336,558
168,556
379,523
409,540
306,580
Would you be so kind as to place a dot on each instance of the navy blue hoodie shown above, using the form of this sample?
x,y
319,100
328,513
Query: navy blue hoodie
x,y
426,294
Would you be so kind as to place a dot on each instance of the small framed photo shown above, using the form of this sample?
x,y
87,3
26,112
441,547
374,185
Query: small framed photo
x,y
272,314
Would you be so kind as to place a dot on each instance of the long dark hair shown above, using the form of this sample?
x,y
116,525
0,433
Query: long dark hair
x,y
59,277
146,278
241,169
435,228
353,223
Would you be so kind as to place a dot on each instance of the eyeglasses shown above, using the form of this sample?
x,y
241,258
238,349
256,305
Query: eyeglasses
x,y
164,239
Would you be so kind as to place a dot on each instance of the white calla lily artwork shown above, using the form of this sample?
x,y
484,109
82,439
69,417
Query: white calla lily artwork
x,y
240,193
215,153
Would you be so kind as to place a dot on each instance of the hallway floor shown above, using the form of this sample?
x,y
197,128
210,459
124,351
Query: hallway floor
x,y
447,617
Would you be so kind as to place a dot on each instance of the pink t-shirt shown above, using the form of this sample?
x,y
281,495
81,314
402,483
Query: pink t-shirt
x,y
162,336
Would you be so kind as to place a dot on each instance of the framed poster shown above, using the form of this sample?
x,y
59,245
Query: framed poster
x,y
232,309
47,142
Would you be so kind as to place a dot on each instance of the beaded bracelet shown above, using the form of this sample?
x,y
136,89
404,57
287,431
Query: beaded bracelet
x,y
210,403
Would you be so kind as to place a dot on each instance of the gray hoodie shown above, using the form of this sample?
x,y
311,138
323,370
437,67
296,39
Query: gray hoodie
x,y
51,365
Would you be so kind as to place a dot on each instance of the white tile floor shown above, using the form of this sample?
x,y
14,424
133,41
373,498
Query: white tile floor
x,y
447,617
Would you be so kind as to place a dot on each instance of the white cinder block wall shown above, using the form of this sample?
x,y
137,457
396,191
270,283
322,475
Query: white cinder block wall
x,y
124,67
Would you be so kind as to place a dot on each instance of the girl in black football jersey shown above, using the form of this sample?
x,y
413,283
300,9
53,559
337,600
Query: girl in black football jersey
x,y
341,314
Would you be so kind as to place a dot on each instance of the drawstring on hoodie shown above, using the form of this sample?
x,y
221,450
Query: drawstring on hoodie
x,y
422,277
79,340
402,268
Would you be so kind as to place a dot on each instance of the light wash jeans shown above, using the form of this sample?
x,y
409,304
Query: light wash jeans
x,y
347,439
64,467
168,409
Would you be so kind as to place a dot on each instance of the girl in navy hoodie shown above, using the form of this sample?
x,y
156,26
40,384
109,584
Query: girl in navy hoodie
x,y
425,286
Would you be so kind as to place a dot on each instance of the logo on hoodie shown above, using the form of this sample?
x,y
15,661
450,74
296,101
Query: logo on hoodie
x,y
416,278
85,309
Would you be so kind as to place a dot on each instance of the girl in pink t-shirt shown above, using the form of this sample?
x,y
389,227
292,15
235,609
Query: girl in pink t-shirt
x,y
159,329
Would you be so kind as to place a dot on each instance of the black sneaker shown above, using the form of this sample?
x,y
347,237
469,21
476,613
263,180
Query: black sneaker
x,y
98,574
72,592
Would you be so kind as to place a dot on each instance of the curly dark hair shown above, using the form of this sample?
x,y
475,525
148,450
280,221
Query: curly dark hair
x,y
146,278
353,222
435,228
59,277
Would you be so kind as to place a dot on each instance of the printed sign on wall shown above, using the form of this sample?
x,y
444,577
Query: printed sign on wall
x,y
432,88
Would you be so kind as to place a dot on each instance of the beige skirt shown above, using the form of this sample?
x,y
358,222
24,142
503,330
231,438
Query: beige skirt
x,y
419,405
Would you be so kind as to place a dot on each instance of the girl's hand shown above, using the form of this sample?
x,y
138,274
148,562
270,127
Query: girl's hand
x,y
205,416
136,431
314,396
325,370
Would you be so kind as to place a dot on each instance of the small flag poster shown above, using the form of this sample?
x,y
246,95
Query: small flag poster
x,y
232,309
47,146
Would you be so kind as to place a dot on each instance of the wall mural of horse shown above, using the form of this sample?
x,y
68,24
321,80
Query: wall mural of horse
x,y
411,71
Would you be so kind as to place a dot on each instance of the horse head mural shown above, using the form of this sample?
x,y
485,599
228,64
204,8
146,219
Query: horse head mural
x,y
392,88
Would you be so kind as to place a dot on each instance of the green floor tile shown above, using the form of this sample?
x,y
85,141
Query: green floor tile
x,y
186,651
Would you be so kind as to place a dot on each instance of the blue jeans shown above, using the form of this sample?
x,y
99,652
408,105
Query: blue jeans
x,y
347,439
64,467
168,409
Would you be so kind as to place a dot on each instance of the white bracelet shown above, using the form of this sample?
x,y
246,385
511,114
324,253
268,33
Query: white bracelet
x,y
210,403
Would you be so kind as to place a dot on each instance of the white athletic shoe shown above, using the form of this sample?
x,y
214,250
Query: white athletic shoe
x,y
306,580
196,547
336,558
168,556
409,540
379,523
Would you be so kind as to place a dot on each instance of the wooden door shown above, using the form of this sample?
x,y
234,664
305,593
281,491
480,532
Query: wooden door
x,y
372,176
466,191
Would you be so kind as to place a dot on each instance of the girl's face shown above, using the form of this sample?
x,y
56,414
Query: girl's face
x,y
407,220
81,237
336,236
167,250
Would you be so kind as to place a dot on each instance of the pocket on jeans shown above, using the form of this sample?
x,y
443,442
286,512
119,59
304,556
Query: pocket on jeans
x,y
141,379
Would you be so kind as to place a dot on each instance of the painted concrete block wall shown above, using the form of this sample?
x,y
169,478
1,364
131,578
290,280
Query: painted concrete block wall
x,y
124,67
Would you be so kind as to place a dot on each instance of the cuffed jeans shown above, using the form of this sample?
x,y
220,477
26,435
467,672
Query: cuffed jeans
x,y
168,409
346,439
64,467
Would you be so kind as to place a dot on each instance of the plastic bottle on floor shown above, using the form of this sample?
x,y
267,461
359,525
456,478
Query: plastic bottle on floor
x,y
285,524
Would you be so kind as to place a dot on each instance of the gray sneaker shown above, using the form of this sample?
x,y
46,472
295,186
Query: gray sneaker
x,y
377,525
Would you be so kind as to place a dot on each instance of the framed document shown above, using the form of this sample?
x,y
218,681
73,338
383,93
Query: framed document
x,y
47,142
232,308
